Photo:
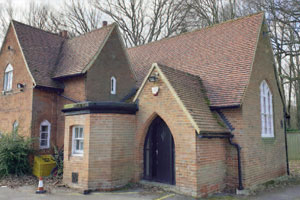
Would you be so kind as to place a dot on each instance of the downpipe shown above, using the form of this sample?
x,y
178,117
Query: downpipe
x,y
238,149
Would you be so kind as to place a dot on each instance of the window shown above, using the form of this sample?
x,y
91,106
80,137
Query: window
x,y
45,135
113,85
15,126
8,77
267,126
77,147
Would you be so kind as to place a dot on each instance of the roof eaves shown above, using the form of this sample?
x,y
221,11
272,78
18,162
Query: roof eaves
x,y
67,76
172,90
144,82
88,66
179,101
26,64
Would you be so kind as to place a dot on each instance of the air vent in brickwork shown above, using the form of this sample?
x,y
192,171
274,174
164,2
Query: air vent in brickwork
x,y
74,177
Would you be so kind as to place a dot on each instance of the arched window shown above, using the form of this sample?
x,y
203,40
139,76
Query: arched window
x,y
113,85
266,105
45,130
8,78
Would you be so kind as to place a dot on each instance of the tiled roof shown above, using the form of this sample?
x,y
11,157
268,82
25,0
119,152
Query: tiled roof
x,y
77,52
40,49
222,55
191,92
49,55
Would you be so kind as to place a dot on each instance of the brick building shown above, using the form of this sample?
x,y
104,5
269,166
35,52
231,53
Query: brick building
x,y
200,111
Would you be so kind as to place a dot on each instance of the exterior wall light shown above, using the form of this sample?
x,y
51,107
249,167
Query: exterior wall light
x,y
20,86
152,79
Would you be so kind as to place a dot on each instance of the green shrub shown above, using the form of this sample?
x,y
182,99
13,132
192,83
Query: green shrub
x,y
14,152
58,156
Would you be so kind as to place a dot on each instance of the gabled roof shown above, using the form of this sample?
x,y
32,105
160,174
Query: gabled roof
x,y
222,55
50,56
78,52
191,96
40,49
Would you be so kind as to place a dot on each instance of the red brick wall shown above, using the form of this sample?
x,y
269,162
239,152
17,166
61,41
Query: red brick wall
x,y
75,88
44,108
111,150
212,165
200,165
78,164
107,162
16,105
262,159
112,61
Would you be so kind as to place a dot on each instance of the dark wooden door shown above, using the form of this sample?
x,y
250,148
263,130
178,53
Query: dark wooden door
x,y
159,153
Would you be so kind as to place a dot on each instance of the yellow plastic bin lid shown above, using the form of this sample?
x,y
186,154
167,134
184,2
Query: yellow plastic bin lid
x,y
43,165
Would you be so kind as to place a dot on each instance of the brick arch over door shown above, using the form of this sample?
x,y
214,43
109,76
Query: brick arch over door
x,y
167,107
182,132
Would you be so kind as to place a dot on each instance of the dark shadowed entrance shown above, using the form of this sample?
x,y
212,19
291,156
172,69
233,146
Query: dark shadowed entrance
x,y
159,153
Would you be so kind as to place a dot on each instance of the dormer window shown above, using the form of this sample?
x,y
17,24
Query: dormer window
x,y
8,78
113,85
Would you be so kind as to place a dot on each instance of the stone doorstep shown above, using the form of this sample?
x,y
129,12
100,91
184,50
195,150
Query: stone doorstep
x,y
164,187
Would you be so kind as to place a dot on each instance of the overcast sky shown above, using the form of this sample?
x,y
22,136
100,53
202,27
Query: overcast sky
x,y
23,3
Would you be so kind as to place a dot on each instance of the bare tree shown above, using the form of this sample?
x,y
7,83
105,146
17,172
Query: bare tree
x,y
79,17
283,18
41,16
6,14
208,12
144,21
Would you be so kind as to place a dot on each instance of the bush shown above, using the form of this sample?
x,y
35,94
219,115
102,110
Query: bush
x,y
14,153
58,156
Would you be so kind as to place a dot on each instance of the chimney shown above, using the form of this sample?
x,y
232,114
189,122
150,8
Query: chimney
x,y
104,23
64,34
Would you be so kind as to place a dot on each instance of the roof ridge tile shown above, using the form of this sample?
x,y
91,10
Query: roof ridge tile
x,y
200,29
38,29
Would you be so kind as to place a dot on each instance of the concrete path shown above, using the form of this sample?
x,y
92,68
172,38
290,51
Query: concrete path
x,y
28,193
289,193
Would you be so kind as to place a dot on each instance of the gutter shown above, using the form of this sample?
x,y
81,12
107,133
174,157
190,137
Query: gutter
x,y
68,98
238,149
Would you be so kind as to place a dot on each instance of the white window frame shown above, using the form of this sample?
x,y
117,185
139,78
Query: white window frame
x,y
266,110
113,85
75,151
8,78
45,123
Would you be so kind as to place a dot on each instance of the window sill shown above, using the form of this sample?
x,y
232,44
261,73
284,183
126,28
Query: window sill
x,y
77,155
267,137
268,140
8,92
42,148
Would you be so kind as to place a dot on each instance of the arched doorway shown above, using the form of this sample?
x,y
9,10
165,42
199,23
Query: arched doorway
x,y
159,153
